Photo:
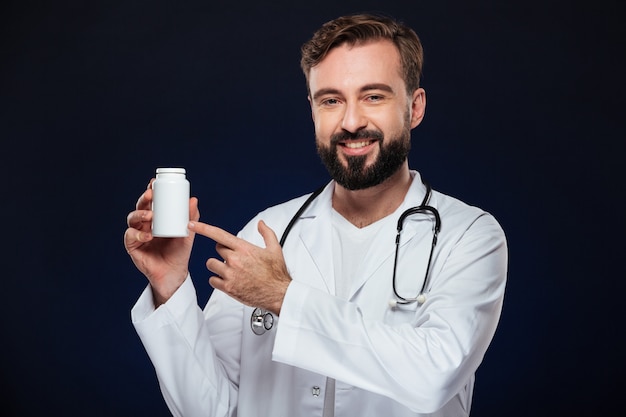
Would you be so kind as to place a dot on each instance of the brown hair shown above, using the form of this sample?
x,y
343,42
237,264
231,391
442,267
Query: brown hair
x,y
361,28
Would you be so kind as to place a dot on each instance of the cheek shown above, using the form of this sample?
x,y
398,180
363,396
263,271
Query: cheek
x,y
397,122
324,126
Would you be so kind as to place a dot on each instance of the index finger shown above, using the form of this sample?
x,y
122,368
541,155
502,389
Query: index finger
x,y
220,236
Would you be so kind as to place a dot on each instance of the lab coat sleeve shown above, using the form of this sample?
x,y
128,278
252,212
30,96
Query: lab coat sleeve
x,y
421,364
195,355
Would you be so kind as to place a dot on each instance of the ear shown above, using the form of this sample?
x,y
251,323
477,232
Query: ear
x,y
418,107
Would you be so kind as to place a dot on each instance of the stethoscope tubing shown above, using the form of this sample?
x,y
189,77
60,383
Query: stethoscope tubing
x,y
426,209
296,216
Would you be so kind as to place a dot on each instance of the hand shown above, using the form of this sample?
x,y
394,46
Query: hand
x,y
164,261
255,276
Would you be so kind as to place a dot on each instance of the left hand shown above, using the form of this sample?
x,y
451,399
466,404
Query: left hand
x,y
254,275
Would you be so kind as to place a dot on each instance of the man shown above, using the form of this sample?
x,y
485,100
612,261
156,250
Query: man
x,y
330,323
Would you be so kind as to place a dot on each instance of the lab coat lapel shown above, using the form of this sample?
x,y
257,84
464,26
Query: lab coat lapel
x,y
316,236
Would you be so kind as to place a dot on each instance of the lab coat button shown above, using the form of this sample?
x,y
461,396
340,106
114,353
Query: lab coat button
x,y
315,391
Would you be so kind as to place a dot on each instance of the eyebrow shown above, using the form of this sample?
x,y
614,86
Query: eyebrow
x,y
367,87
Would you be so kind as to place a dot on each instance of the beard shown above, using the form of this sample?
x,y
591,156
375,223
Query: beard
x,y
356,175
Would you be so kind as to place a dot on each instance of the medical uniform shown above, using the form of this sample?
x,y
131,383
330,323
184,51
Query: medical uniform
x,y
411,360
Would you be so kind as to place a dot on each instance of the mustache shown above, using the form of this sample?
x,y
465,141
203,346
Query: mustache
x,y
361,134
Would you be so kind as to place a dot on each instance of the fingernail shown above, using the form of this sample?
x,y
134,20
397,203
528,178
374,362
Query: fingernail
x,y
191,225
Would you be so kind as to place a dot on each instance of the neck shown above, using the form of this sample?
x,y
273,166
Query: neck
x,y
364,207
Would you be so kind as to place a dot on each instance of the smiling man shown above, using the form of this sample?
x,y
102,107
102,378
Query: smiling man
x,y
333,319
363,114
352,111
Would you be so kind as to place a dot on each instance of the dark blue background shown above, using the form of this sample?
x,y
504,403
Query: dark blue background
x,y
525,118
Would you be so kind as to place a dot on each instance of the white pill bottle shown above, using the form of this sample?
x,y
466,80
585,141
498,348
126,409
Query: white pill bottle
x,y
170,203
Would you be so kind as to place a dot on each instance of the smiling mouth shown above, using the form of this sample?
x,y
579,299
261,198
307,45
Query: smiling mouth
x,y
357,144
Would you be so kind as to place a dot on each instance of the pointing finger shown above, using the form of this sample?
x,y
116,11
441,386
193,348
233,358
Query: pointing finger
x,y
220,236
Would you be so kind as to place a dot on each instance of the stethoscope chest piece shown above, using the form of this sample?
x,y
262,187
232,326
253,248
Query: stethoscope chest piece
x,y
261,321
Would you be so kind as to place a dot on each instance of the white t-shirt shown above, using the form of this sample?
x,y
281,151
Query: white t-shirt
x,y
350,246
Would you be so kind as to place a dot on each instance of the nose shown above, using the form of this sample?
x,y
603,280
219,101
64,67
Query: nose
x,y
353,118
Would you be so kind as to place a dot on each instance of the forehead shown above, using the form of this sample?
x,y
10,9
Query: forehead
x,y
351,66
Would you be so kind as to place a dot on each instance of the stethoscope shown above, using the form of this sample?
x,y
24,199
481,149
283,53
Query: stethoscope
x,y
263,320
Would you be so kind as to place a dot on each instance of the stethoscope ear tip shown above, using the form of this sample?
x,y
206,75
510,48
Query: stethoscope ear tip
x,y
393,303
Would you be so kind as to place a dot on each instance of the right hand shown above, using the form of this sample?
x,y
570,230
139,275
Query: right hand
x,y
164,261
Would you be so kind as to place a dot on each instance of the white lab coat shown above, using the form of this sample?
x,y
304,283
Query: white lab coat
x,y
411,360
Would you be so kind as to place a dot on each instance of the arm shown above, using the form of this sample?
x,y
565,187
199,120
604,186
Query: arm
x,y
420,364
195,353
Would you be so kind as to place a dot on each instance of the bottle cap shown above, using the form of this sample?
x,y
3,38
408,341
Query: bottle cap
x,y
170,170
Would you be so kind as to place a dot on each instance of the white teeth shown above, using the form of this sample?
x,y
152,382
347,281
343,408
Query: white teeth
x,y
355,145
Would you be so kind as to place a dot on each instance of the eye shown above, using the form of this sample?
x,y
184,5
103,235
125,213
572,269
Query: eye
x,y
329,102
374,98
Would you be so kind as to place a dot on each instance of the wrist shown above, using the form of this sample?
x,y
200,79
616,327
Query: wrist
x,y
164,289
282,291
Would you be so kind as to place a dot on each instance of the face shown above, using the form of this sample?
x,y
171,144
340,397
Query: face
x,y
362,113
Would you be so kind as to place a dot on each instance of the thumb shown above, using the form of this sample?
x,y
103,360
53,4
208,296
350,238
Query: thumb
x,y
269,237
134,238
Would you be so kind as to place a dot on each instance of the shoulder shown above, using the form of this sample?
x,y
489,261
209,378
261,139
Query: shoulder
x,y
460,218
